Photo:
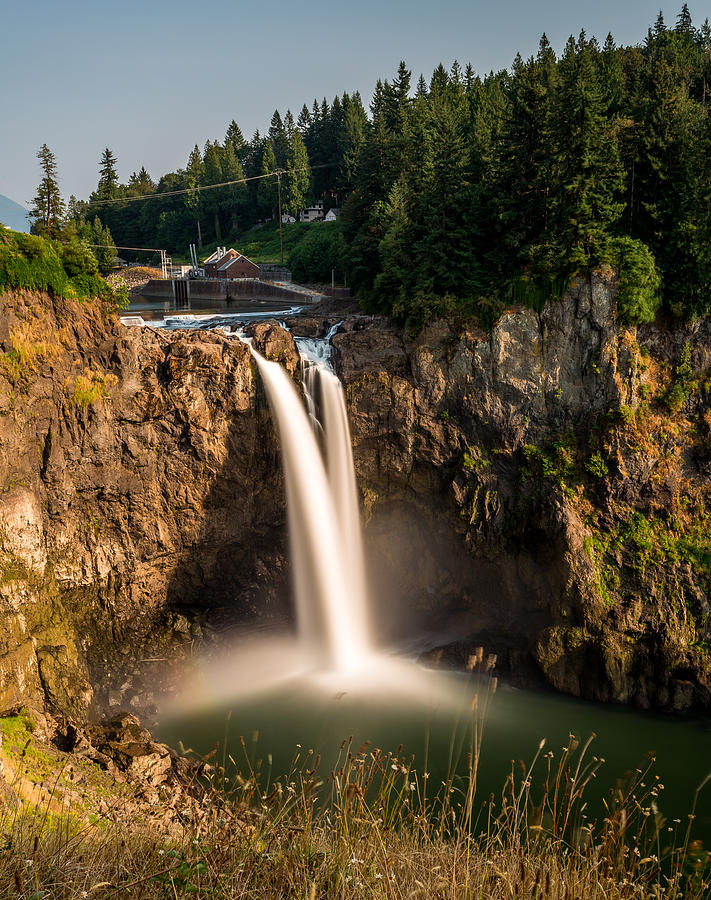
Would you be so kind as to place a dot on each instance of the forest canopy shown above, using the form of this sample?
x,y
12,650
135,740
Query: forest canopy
x,y
470,192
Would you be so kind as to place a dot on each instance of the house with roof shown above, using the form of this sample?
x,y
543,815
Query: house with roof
x,y
238,267
312,213
333,213
217,259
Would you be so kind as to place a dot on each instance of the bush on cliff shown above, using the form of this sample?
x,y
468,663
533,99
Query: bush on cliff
x,y
34,263
639,283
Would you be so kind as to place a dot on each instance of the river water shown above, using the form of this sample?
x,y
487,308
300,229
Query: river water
x,y
432,719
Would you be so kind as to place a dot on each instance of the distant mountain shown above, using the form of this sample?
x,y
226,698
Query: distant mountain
x,y
13,215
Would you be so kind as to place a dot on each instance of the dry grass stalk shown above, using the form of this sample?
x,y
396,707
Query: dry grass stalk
x,y
367,829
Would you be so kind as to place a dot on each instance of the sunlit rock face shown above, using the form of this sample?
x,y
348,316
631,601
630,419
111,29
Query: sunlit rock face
x,y
140,474
469,533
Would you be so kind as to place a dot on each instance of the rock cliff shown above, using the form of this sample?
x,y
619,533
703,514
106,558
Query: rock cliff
x,y
540,490
140,479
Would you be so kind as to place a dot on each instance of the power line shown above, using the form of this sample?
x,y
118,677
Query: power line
x,y
206,187
146,249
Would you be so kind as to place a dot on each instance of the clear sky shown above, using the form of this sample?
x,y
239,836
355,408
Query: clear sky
x,y
150,78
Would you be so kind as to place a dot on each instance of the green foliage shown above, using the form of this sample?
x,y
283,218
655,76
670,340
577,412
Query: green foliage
x,y
422,307
597,466
649,546
557,461
536,292
470,193
312,259
638,295
47,211
77,259
683,384
34,263
475,462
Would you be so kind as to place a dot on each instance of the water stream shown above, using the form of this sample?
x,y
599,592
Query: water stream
x,y
322,504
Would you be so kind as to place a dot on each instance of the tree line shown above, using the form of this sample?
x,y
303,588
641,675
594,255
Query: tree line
x,y
470,192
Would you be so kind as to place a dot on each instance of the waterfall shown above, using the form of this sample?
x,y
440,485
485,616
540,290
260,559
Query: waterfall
x,y
322,505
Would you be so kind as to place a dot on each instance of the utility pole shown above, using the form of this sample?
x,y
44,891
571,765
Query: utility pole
x,y
279,173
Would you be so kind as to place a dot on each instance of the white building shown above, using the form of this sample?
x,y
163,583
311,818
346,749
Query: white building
x,y
333,213
312,213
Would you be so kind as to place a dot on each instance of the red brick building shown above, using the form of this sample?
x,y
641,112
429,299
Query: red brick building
x,y
218,258
238,267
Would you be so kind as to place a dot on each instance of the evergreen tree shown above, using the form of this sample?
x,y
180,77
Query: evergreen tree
x,y
77,210
683,22
194,174
211,200
525,166
295,184
103,246
355,123
233,199
108,176
267,190
304,121
587,170
235,139
47,209
279,139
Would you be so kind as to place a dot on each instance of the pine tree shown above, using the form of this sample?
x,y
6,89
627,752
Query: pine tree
x,y
47,211
235,139
267,190
193,179
212,174
104,247
108,177
77,210
524,174
279,139
295,184
588,176
683,22
355,123
233,199
303,123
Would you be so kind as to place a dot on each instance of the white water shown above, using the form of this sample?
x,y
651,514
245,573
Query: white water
x,y
322,503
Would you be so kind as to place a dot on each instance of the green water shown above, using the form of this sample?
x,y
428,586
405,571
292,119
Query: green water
x,y
433,721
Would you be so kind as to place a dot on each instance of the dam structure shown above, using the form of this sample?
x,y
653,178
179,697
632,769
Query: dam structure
x,y
181,291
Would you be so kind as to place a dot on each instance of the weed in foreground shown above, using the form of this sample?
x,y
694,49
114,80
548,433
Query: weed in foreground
x,y
370,828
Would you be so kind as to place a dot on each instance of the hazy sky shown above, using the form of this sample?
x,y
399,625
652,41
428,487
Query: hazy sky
x,y
151,78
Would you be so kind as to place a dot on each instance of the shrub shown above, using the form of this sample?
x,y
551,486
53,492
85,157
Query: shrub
x,y
65,270
312,259
638,295
597,466
78,259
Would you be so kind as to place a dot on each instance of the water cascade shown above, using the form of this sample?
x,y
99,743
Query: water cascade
x,y
324,526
